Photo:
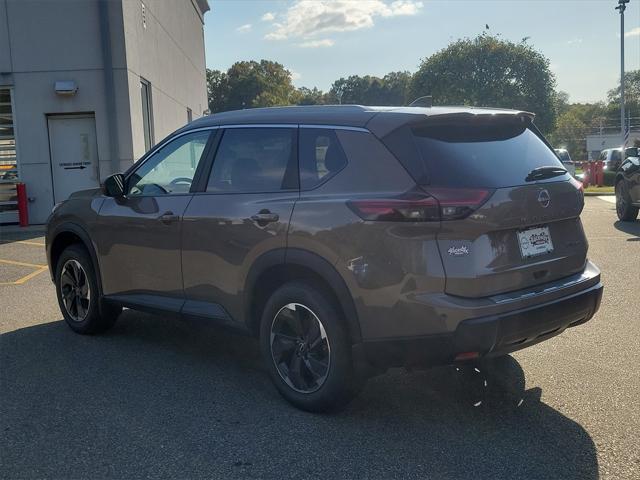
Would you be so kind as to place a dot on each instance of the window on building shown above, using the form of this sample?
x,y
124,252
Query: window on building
x,y
172,168
147,113
321,156
8,159
254,160
189,115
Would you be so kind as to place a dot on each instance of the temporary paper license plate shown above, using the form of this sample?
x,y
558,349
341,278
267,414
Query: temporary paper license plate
x,y
535,241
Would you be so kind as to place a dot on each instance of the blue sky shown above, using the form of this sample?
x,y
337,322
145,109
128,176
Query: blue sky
x,y
320,41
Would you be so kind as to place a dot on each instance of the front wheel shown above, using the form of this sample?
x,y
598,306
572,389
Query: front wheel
x,y
78,294
625,210
307,350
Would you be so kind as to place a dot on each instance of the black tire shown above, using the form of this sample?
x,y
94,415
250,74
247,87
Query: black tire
x,y
625,210
95,316
340,383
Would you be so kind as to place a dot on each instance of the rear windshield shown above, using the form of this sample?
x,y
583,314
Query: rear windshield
x,y
490,155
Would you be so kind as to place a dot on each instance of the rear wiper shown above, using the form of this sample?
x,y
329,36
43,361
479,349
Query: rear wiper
x,y
541,173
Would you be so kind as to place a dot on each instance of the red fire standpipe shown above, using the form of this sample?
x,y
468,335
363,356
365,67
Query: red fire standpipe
x,y
23,213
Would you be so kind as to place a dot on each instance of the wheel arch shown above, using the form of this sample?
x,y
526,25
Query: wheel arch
x,y
67,234
275,268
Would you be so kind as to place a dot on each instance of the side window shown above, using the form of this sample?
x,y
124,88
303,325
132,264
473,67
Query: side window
x,y
172,168
254,160
615,155
321,156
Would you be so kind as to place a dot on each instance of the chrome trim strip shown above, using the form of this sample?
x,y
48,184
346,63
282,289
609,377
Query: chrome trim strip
x,y
261,125
336,127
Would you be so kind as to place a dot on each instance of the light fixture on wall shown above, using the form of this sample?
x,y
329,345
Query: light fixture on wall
x,y
66,88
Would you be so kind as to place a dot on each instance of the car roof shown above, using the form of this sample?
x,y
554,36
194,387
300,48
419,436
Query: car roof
x,y
357,116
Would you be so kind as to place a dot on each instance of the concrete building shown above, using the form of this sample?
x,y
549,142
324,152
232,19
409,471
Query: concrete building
x,y
87,86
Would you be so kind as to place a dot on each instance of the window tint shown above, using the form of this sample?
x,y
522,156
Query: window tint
x,y
615,155
253,160
321,156
172,168
481,154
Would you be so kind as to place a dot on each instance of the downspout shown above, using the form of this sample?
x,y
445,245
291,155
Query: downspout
x,y
109,85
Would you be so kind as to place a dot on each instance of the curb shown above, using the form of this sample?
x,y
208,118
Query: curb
x,y
599,194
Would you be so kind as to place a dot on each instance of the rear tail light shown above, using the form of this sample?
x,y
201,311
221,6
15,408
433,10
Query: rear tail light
x,y
432,206
577,184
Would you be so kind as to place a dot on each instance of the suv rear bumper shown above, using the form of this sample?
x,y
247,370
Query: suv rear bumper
x,y
492,335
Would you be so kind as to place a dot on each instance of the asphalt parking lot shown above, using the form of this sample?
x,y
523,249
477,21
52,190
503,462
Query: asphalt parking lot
x,y
157,397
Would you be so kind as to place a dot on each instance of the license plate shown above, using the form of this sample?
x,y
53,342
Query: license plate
x,y
535,241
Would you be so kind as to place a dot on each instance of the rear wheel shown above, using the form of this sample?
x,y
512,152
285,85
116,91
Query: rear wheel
x,y
78,294
307,350
625,210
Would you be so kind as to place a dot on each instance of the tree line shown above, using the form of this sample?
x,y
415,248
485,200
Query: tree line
x,y
483,71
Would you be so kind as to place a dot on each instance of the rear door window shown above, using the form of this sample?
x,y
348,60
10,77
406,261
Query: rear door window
x,y
321,156
470,155
254,160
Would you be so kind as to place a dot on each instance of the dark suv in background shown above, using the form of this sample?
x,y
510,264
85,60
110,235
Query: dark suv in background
x,y
348,239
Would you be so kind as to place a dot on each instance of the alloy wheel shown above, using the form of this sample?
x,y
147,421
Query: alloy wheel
x,y
300,348
75,290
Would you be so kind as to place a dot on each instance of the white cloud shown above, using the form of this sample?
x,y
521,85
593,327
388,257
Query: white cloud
x,y
635,32
244,28
310,18
574,41
268,17
325,42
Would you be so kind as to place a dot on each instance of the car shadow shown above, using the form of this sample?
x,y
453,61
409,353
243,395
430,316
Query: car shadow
x,y
12,233
161,397
632,228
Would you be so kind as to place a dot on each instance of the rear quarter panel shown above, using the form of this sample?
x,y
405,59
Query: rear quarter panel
x,y
384,264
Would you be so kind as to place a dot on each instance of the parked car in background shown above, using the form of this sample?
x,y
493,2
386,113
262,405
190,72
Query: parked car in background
x,y
348,239
613,158
565,158
628,189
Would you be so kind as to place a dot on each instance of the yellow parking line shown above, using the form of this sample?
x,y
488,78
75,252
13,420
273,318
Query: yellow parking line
x,y
22,264
26,278
39,269
24,242
35,244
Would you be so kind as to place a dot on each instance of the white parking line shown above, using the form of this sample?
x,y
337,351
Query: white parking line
x,y
608,198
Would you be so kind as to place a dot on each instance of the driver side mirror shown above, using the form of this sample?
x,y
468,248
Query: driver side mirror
x,y
114,186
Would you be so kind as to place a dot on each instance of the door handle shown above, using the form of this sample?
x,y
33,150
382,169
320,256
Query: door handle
x,y
168,217
265,216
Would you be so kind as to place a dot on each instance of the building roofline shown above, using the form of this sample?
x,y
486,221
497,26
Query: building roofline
x,y
202,7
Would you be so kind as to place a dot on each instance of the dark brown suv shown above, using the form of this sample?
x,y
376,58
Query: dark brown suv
x,y
347,238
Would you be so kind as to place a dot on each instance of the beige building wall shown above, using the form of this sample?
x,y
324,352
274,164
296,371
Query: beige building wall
x,y
42,42
164,44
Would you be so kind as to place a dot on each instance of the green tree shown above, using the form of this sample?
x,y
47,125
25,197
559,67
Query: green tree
x,y
488,71
392,89
310,96
250,84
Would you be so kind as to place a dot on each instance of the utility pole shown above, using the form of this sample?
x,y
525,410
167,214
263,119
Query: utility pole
x,y
622,6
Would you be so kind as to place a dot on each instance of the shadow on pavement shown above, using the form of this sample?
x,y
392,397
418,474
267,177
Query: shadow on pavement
x,y
13,233
161,397
632,228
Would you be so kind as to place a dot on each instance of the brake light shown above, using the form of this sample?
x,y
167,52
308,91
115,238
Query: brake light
x,y
578,184
432,206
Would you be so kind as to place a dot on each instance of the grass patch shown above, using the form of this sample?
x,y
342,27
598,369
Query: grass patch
x,y
594,189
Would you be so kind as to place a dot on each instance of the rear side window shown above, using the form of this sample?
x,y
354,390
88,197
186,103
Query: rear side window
x,y
254,160
321,156
487,155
